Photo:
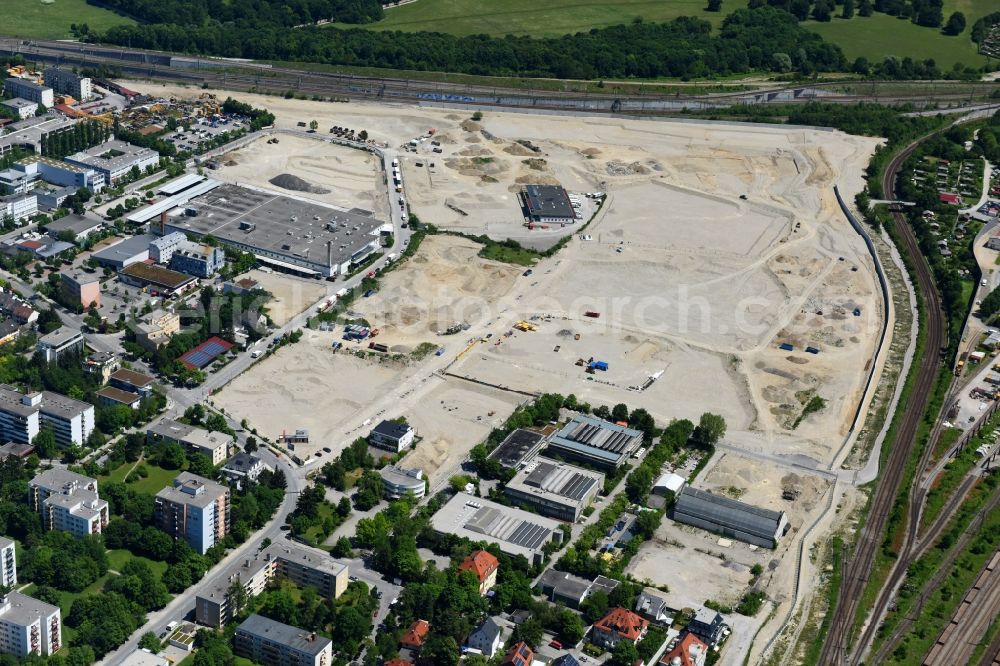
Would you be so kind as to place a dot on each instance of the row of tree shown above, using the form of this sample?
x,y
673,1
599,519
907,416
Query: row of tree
x,y
262,12
685,47
84,134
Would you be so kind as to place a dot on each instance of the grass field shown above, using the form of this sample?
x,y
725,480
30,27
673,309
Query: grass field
x,y
119,558
873,37
33,18
525,17
157,479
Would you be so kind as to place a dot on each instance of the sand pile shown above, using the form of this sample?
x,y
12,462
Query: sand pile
x,y
289,182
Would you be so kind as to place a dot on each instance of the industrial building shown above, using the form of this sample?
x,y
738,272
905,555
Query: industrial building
x,y
292,234
29,626
555,489
18,206
270,643
729,517
518,446
25,173
300,564
182,255
8,563
214,445
547,203
570,590
161,281
22,415
125,253
398,481
81,288
81,226
115,159
30,133
194,509
595,442
515,531
68,502
22,107
66,82
391,436
59,342
29,90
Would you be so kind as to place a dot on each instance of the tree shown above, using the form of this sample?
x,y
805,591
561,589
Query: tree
x,y
625,654
251,445
955,25
821,11
477,116
714,6
195,414
45,443
619,412
313,125
865,8
848,10
595,606
173,456
342,548
711,428
150,642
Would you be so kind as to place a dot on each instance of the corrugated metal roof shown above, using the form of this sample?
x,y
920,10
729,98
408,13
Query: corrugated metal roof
x,y
729,515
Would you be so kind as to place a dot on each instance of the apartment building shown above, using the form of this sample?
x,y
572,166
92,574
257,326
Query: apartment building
x,y
155,329
300,564
103,364
214,445
8,563
22,415
29,626
29,90
18,206
69,502
265,641
22,107
81,287
65,82
194,509
61,341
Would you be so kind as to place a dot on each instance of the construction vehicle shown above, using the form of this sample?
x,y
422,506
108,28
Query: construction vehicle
x,y
525,326
576,337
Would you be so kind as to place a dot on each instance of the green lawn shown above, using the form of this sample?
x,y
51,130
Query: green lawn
x,y
873,37
157,479
118,558
526,17
51,20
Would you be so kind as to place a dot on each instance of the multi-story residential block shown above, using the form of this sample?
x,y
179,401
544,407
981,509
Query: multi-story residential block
x,y
103,364
214,445
69,502
300,564
61,341
194,509
23,414
80,287
29,90
8,563
18,206
22,107
29,626
65,82
271,643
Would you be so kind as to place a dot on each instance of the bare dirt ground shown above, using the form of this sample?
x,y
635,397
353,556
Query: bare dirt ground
x,y
306,385
290,295
351,177
443,285
717,244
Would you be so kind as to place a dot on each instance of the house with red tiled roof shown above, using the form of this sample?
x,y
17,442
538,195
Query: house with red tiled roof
x,y
484,565
689,651
414,637
520,654
617,625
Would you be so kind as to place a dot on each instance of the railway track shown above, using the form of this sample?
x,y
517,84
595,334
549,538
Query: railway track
x,y
958,640
857,568
239,75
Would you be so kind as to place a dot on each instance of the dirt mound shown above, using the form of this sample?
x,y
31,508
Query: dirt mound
x,y
536,163
533,179
475,151
591,152
471,126
287,181
518,149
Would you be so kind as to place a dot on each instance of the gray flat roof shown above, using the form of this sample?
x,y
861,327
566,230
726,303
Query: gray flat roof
x,y
246,568
702,509
98,155
26,83
209,493
517,446
297,639
25,610
398,477
516,531
59,337
5,542
556,481
61,405
18,103
78,224
548,201
127,249
10,401
596,439
55,479
170,429
277,223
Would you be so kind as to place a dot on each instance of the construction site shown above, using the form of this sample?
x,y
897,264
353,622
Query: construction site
x,y
717,274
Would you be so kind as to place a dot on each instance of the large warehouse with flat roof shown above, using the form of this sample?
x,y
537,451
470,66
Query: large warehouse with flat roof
x,y
555,489
729,517
547,203
595,442
295,234
515,531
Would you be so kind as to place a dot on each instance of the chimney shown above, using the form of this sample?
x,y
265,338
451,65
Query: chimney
x,y
329,253
163,223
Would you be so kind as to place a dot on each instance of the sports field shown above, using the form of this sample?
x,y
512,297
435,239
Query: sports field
x,y
51,19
